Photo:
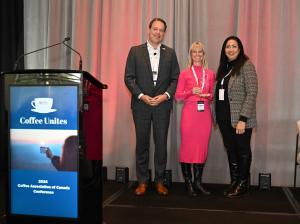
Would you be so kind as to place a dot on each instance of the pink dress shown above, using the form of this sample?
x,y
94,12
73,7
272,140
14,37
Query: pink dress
x,y
195,126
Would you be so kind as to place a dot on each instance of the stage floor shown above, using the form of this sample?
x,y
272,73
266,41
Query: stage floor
x,y
277,205
120,205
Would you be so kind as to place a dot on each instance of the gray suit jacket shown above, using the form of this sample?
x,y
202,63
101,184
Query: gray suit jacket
x,y
139,78
242,92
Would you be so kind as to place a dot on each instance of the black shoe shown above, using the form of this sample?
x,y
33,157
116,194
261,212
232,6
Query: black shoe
x,y
187,175
200,189
230,188
240,190
198,170
190,189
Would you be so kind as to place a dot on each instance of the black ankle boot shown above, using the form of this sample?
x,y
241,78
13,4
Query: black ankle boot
x,y
240,189
198,170
230,188
187,175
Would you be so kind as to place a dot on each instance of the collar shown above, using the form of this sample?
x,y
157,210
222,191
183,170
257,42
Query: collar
x,y
151,48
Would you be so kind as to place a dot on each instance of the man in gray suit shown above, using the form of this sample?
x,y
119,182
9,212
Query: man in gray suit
x,y
151,76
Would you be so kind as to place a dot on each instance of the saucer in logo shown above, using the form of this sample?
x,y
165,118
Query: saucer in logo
x,y
42,105
43,111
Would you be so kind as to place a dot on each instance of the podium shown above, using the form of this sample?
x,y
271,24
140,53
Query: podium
x,y
52,124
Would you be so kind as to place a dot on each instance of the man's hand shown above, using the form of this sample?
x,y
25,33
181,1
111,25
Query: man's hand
x,y
154,101
147,99
159,99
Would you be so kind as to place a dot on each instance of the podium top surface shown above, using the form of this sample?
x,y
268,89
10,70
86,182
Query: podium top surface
x,y
86,75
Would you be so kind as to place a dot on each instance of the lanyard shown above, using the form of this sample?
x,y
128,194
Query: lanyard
x,y
196,78
225,77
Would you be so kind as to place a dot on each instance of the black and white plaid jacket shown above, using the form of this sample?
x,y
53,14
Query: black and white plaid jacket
x,y
242,92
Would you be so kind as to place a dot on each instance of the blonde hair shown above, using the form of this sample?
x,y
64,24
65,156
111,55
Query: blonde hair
x,y
197,44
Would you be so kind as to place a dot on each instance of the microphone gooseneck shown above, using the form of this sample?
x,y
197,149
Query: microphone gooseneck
x,y
40,49
72,49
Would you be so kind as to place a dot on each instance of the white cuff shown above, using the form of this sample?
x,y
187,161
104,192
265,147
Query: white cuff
x,y
168,95
139,97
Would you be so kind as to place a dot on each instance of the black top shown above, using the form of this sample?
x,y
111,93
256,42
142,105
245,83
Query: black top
x,y
223,106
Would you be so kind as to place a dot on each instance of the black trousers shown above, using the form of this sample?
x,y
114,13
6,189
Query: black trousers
x,y
159,120
238,149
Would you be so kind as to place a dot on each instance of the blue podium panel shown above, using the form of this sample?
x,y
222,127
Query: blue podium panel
x,y
44,150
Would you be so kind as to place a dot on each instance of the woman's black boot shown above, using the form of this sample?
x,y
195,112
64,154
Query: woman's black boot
x,y
241,189
244,168
234,175
198,170
187,175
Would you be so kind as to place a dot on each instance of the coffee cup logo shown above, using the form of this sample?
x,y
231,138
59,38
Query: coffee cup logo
x,y
42,105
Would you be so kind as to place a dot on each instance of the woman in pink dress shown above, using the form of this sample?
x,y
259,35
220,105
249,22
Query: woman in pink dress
x,y
195,89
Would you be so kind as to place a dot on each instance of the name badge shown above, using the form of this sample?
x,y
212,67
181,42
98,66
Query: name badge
x,y
200,106
221,94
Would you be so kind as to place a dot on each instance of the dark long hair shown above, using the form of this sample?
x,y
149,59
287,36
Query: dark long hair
x,y
69,155
238,62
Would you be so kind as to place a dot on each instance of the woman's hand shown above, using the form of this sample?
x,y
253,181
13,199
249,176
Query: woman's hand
x,y
49,153
204,95
196,90
240,127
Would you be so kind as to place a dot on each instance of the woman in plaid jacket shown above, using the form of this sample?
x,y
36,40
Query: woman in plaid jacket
x,y
234,110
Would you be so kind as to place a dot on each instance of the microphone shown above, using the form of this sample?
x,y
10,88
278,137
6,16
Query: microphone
x,y
80,58
31,52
